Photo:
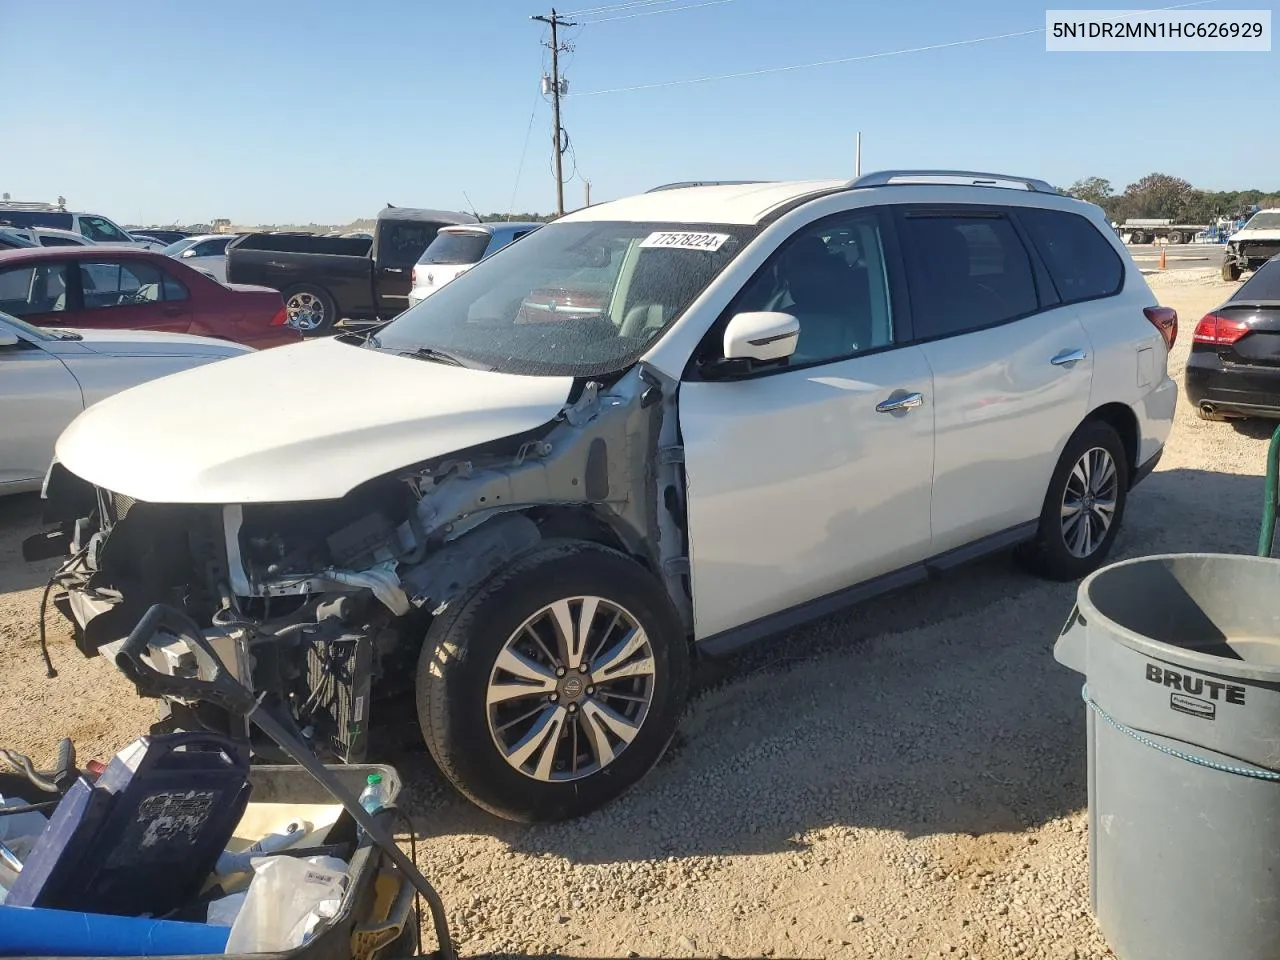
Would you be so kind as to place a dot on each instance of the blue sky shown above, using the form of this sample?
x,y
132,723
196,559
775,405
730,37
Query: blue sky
x,y
325,110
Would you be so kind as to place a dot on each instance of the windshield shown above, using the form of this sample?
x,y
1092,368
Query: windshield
x,y
1267,220
570,299
456,248
175,248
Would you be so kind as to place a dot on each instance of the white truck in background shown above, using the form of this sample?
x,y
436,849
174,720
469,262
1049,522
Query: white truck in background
x,y
1138,231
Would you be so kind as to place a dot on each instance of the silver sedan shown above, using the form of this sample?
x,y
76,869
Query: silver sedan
x,y
48,376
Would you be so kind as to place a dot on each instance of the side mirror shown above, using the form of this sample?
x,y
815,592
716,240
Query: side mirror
x,y
189,252
8,339
761,336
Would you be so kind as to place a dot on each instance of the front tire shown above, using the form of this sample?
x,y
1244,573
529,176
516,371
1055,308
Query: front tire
x,y
1230,271
555,685
1083,507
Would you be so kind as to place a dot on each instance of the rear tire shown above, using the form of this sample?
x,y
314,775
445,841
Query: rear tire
x,y
311,309
1092,477
1175,237
519,754
1230,271
1137,238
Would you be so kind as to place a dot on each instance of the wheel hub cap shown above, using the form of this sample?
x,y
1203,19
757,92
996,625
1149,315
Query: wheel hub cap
x,y
570,689
1089,502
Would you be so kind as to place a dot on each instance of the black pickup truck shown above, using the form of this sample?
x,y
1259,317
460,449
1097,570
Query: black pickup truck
x,y
323,279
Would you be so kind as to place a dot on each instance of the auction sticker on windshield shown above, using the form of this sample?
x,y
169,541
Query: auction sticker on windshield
x,y
686,241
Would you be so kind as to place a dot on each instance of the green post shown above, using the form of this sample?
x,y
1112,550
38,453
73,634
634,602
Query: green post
x,y
1268,532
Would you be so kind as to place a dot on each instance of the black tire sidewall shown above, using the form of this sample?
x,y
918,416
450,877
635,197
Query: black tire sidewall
x,y
463,643
330,307
1050,556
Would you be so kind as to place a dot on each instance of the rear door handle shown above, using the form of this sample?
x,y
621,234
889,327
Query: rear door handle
x,y
1068,357
901,403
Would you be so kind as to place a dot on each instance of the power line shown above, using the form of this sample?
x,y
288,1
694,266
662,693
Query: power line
x,y
613,7
839,60
511,207
651,13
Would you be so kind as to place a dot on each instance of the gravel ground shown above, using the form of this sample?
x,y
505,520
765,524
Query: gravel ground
x,y
904,780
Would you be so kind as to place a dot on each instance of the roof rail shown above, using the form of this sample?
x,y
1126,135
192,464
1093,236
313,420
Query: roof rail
x,y
704,183
884,178
21,205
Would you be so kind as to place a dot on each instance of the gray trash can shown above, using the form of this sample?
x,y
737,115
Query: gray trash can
x,y
1181,655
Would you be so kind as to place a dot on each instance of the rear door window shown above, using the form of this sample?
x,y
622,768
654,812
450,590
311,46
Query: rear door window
x,y
33,289
50,240
966,272
37,218
456,248
114,283
401,244
1082,263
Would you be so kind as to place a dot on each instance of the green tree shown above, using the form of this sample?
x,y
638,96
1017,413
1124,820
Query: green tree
x,y
1092,190
1159,196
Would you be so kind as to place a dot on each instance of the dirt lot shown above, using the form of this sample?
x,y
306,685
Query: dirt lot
x,y
905,780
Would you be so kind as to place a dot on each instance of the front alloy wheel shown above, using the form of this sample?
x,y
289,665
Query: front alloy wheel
x,y
556,684
571,689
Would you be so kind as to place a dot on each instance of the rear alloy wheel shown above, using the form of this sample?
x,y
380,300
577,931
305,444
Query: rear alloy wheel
x,y
555,685
311,310
1083,506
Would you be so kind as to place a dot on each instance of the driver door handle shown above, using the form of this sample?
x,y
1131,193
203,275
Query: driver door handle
x,y
1068,357
906,402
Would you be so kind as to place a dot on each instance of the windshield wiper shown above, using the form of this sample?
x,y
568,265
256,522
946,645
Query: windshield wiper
x,y
437,356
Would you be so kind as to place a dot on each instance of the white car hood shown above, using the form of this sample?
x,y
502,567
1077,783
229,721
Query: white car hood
x,y
308,421
1257,233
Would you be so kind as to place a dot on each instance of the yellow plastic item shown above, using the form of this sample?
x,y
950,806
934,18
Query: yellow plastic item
x,y
388,916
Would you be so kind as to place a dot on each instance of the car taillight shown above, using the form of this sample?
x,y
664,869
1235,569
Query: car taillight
x,y
1164,319
281,317
1215,329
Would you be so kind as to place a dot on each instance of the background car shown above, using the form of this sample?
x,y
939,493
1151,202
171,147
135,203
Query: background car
x,y
52,375
1234,367
458,249
127,289
94,226
160,236
205,252
12,240
51,237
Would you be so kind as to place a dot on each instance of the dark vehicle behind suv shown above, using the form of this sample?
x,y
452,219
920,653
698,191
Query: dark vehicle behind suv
x,y
324,279
1234,367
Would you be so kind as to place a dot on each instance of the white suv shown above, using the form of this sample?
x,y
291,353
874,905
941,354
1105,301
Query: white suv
x,y
655,428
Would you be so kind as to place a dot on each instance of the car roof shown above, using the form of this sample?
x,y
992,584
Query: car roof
x,y
497,226
435,216
740,203
92,252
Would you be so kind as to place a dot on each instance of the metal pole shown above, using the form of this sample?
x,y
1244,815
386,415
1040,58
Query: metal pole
x,y
555,113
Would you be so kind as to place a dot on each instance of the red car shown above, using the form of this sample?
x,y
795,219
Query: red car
x,y
117,288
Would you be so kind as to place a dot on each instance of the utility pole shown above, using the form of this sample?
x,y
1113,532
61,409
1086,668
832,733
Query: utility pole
x,y
586,185
557,88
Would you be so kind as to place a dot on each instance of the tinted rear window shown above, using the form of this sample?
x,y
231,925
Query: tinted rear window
x,y
1081,262
401,243
36,218
1263,285
456,248
965,272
